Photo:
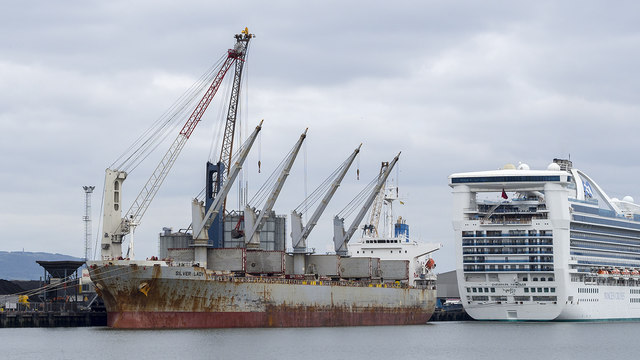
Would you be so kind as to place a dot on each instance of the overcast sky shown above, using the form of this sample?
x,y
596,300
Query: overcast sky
x,y
456,86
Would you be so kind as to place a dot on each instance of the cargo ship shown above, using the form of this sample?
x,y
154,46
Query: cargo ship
x,y
205,287
209,284
154,294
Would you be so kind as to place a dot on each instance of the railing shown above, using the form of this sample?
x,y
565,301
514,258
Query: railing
x,y
506,235
511,270
37,307
465,252
505,261
501,243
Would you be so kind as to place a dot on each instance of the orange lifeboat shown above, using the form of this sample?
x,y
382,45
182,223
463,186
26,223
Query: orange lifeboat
x,y
603,272
635,273
625,273
615,273
430,264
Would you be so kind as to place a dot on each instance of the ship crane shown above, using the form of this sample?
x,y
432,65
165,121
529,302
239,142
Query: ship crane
x,y
226,152
201,220
217,173
253,222
116,226
299,233
340,236
376,209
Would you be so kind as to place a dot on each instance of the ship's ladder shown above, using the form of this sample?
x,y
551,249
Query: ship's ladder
x,y
491,210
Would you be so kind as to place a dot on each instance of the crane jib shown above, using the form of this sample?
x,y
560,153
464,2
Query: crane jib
x,y
198,112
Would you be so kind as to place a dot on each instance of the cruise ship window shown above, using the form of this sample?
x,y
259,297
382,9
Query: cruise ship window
x,y
474,290
542,279
486,289
546,289
535,279
533,289
525,278
526,290
553,289
493,290
539,289
479,289
550,279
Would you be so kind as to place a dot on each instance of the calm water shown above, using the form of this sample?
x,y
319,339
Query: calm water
x,y
445,340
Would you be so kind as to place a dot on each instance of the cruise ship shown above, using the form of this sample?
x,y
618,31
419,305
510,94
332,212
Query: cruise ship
x,y
544,245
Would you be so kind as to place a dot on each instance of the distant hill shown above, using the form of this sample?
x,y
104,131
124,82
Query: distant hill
x,y
19,265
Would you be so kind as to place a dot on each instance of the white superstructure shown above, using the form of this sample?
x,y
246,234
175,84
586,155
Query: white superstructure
x,y
392,241
544,245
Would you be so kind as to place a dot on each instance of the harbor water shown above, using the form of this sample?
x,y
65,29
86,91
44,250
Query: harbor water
x,y
436,340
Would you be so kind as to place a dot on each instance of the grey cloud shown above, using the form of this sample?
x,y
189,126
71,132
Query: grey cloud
x,y
457,86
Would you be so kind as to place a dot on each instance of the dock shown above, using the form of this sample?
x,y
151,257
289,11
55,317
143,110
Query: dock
x,y
18,319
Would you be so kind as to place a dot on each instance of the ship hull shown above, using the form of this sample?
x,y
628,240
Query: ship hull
x,y
141,295
279,318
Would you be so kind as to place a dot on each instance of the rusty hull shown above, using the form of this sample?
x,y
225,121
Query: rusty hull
x,y
154,295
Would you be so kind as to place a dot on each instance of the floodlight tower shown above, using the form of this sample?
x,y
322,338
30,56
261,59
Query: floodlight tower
x,y
88,190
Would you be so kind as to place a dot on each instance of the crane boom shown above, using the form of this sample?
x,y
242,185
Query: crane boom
x,y
376,208
114,230
253,224
199,224
341,237
230,125
226,151
298,233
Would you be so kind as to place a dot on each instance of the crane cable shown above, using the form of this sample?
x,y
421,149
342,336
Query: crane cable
x,y
358,199
218,132
320,190
99,234
306,195
234,159
262,193
180,106
243,112
163,126
171,125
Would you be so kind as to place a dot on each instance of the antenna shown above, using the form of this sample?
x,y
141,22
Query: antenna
x,y
88,190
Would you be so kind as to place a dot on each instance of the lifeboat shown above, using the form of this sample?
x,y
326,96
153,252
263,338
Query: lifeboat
x,y
430,264
603,272
635,273
625,273
615,273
